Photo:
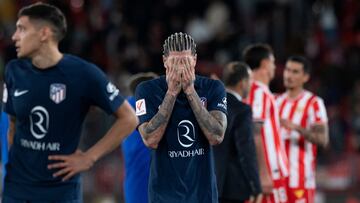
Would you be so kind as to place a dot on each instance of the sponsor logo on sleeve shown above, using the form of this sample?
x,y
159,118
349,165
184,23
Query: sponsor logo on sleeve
x,y
140,107
223,103
112,90
5,94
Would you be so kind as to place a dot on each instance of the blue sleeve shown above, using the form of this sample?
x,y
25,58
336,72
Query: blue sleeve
x,y
102,92
4,125
144,106
131,100
8,86
217,97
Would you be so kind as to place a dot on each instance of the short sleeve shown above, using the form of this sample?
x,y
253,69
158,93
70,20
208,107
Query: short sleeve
x,y
145,107
102,92
7,87
318,112
258,105
217,99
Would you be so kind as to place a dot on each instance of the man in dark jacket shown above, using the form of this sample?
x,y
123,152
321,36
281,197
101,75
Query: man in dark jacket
x,y
235,159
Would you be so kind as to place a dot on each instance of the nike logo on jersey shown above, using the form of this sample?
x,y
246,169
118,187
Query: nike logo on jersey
x,y
18,93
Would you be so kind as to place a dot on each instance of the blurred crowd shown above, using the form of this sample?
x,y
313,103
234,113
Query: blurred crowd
x,y
125,37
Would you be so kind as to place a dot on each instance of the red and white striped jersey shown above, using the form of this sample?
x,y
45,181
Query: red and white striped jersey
x,y
265,110
305,110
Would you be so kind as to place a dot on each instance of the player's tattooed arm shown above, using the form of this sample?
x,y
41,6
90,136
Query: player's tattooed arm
x,y
213,123
11,130
153,131
317,133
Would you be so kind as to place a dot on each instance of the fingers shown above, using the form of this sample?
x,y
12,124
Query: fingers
x,y
57,157
188,73
58,165
64,164
258,198
62,172
172,72
66,172
69,175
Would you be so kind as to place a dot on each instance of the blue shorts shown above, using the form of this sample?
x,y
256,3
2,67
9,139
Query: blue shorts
x,y
7,199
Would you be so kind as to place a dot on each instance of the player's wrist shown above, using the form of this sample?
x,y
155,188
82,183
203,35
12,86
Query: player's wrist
x,y
172,93
300,129
189,90
90,157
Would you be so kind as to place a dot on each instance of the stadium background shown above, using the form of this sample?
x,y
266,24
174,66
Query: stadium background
x,y
125,37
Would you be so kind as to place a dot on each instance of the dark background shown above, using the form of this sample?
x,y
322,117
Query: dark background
x,y
124,37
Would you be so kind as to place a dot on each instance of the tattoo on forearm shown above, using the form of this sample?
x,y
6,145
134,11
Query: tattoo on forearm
x,y
318,129
155,123
163,115
213,125
317,134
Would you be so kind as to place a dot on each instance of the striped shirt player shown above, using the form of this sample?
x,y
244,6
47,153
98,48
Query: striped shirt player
x,y
303,126
265,110
270,149
304,110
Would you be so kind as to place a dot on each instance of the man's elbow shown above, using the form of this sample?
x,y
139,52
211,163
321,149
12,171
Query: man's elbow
x,y
325,143
150,143
217,140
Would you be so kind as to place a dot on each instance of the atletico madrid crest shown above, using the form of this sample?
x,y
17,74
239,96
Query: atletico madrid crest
x,y
203,101
57,92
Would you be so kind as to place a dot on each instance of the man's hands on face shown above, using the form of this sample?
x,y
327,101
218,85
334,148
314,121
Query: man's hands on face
x,y
173,76
188,75
180,74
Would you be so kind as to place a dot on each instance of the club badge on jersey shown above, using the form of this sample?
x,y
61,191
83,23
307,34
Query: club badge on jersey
x,y
203,101
57,92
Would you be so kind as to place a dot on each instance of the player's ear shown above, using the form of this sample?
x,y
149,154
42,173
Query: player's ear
x,y
263,63
45,33
306,78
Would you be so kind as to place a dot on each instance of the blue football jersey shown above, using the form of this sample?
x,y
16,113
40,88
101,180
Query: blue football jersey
x,y
50,106
137,166
182,167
